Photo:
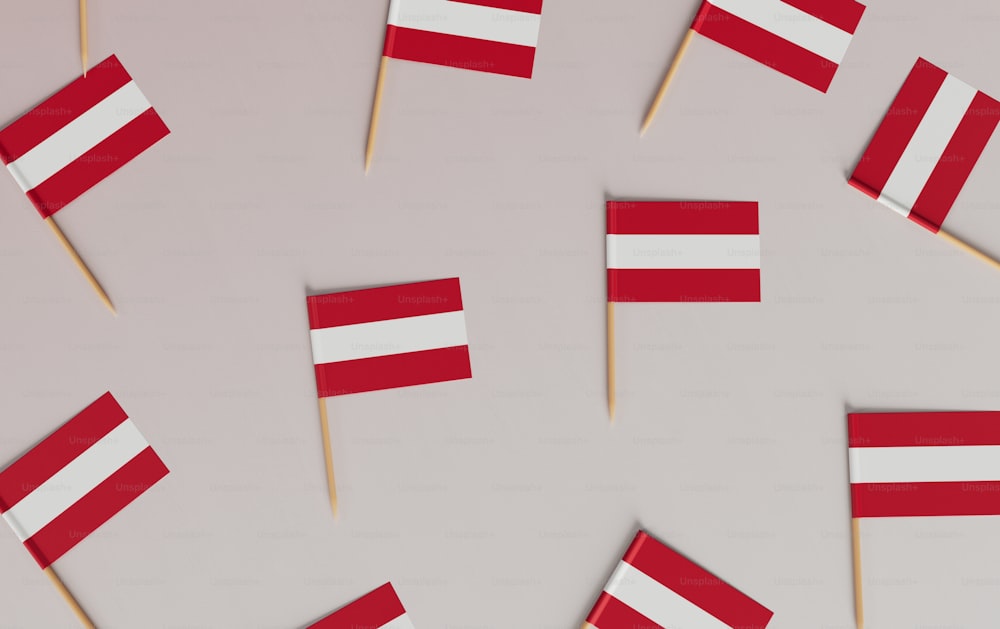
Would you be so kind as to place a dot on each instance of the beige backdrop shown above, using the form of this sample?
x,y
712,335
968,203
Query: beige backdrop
x,y
506,500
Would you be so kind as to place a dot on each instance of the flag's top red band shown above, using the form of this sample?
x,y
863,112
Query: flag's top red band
x,y
959,428
683,217
381,304
374,609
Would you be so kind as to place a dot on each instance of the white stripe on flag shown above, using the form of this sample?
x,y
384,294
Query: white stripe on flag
x,y
695,251
384,338
466,20
401,622
76,480
656,602
795,25
926,464
79,136
927,145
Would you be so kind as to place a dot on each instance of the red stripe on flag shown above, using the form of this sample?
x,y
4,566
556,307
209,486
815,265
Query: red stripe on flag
x,y
459,52
844,14
897,128
96,508
891,500
765,47
57,450
683,285
610,613
390,372
695,584
957,162
62,108
373,610
92,167
901,430
525,6
381,304
683,217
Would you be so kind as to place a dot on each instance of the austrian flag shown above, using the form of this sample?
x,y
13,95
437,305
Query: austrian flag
x,y
655,587
805,39
683,251
383,338
76,479
927,145
72,141
924,464
380,609
498,36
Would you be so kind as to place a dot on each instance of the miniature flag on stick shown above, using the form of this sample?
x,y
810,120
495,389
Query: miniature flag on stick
x,y
926,147
921,464
380,609
74,481
384,338
804,39
654,586
75,139
680,251
497,36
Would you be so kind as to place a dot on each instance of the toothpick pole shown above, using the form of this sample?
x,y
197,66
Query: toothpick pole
x,y
376,110
61,588
964,246
83,35
80,264
859,601
666,81
611,360
328,454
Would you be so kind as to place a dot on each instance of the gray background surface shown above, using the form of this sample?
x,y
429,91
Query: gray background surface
x,y
503,501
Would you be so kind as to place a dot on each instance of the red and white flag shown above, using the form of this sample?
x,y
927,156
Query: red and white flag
x,y
380,609
927,145
76,479
88,130
924,464
683,251
383,338
655,587
805,39
498,36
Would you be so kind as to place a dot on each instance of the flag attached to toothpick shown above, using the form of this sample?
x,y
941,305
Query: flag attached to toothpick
x,y
924,464
383,338
76,479
86,131
927,145
683,251
498,36
654,586
380,609
804,39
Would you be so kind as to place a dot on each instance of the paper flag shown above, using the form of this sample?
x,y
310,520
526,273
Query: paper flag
x,y
927,145
383,338
683,251
76,479
924,464
380,609
498,36
805,39
655,587
69,143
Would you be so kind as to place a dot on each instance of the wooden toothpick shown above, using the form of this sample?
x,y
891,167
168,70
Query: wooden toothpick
x,y
68,597
611,360
964,246
666,81
859,601
83,35
328,455
376,110
80,264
